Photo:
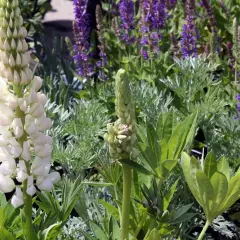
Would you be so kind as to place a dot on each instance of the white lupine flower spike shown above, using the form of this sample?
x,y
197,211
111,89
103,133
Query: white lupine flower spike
x,y
23,119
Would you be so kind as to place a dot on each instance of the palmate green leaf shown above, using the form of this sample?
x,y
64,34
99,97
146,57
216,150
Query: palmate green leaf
x,y
5,234
115,229
232,194
153,141
110,208
223,167
210,164
136,166
180,135
98,232
185,217
190,166
180,212
205,190
165,126
51,232
169,195
154,235
220,189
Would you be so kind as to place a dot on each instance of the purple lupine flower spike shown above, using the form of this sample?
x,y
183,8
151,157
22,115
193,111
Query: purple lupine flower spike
x,y
126,9
189,33
82,45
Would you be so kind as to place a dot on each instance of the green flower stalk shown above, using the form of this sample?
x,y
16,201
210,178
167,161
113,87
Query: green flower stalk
x,y
121,139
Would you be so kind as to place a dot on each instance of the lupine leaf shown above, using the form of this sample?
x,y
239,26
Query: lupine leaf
x,y
220,189
98,232
206,191
210,164
169,195
52,232
232,194
190,166
136,166
223,167
5,234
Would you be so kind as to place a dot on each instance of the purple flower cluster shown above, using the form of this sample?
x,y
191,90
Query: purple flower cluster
x,y
189,33
126,9
238,106
231,60
171,4
207,6
152,22
82,45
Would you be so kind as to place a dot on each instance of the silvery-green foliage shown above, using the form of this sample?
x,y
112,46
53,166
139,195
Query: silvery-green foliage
x,y
149,101
193,85
80,138
224,137
225,228
59,117
72,229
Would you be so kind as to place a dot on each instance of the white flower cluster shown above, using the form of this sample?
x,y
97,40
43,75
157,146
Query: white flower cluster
x,y
22,117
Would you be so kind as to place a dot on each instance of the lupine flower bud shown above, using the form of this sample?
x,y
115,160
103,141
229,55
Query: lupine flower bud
x,y
121,135
23,119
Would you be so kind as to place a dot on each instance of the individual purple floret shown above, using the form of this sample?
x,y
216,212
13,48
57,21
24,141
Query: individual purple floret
x,y
82,45
189,33
126,10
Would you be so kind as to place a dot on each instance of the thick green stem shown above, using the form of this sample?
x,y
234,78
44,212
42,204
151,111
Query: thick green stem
x,y
204,230
127,181
26,213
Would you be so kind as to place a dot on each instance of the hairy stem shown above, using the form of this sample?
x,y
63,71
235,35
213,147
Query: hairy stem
x,y
127,181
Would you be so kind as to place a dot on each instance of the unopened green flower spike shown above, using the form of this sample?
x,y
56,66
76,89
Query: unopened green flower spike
x,y
121,137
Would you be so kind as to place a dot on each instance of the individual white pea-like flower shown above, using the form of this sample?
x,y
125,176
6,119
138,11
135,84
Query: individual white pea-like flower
x,y
16,148
3,141
8,168
26,153
21,171
17,199
41,170
44,183
5,156
6,184
17,127
36,83
41,98
22,104
40,139
30,125
55,177
36,110
43,151
31,97
40,161
43,123
31,190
